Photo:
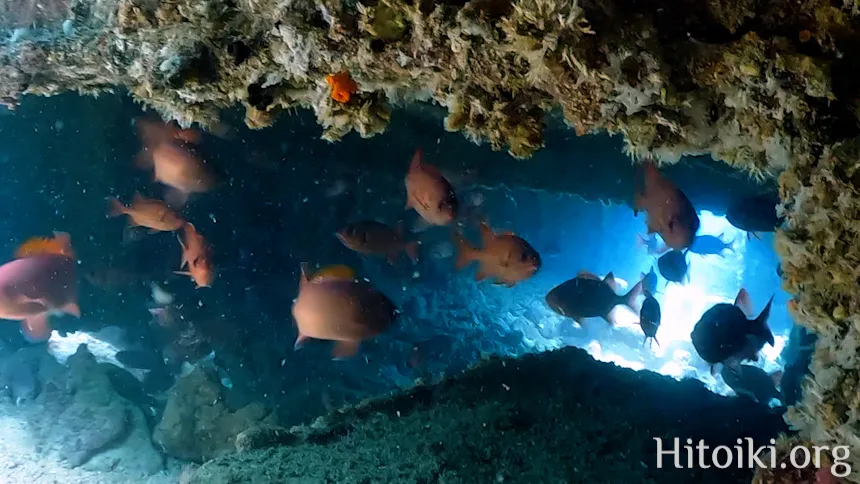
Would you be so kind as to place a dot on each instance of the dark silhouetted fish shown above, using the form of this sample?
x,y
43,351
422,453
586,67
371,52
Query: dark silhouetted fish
x,y
649,281
753,382
710,245
725,334
649,317
587,296
755,214
673,266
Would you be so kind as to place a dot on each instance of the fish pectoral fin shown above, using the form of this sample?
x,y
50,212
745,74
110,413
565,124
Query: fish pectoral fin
x,y
71,308
300,341
36,328
345,349
481,275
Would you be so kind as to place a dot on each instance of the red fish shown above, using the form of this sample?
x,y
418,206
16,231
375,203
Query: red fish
x,y
40,283
430,193
504,257
337,307
197,256
147,212
670,212
166,151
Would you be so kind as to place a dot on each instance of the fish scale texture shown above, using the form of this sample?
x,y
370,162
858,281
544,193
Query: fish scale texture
x,y
557,417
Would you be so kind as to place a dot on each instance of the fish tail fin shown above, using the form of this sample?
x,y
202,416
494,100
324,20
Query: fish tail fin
x,y
629,299
412,250
743,302
465,252
175,198
116,208
761,323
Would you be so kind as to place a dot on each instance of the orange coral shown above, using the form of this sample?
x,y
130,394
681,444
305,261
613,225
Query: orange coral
x,y
342,86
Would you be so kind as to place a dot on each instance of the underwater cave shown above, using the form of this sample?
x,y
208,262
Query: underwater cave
x,y
193,189
282,196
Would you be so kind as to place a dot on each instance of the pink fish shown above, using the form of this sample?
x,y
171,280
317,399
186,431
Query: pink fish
x,y
34,287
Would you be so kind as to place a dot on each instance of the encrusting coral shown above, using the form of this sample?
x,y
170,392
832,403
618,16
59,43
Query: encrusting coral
x,y
751,85
769,87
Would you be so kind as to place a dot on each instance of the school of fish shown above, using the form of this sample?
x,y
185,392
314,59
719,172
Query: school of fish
x,y
333,304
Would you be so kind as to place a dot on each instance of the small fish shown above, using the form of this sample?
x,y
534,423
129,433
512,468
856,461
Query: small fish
x,y
725,334
345,311
372,237
753,382
649,281
710,245
504,257
147,212
670,212
430,193
197,256
587,296
755,214
649,317
652,243
40,283
673,266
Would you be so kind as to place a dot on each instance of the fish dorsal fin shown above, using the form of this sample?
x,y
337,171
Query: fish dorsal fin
x,y
417,160
587,275
337,272
609,279
138,198
60,244
487,234
303,277
744,303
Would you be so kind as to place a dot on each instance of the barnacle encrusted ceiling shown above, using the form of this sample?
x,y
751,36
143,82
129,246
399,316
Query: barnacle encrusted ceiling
x,y
770,87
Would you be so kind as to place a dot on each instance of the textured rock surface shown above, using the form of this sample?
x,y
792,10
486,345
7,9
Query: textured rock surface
x,y
77,418
750,83
554,417
197,424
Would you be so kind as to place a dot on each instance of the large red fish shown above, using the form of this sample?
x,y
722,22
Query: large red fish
x,y
333,305
670,212
43,281
430,193
166,151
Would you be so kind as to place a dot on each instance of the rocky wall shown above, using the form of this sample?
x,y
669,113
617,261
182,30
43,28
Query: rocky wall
x,y
765,86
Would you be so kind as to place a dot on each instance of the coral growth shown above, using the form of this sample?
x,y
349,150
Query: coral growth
x,y
820,249
751,84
